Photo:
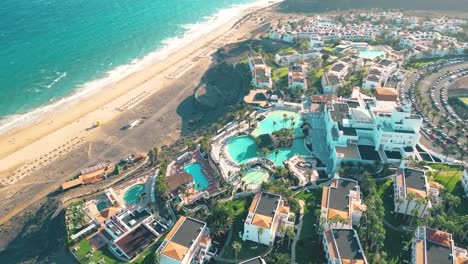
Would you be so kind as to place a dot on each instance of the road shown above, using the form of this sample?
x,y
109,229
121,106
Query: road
x,y
425,85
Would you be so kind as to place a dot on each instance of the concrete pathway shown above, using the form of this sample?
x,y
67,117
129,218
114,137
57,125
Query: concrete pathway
x,y
298,227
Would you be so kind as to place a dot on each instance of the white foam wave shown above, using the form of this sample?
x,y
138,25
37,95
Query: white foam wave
x,y
170,45
62,75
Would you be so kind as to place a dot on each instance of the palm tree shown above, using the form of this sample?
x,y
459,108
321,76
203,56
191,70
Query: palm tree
x,y
265,151
409,199
237,248
276,153
399,202
220,219
259,233
285,119
434,115
274,125
249,120
290,234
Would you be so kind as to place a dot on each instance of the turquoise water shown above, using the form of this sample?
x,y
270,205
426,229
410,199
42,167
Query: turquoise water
x,y
243,148
49,48
255,176
275,121
195,169
371,54
101,206
132,195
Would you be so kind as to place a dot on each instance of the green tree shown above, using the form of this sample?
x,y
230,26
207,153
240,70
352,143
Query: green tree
x,y
237,247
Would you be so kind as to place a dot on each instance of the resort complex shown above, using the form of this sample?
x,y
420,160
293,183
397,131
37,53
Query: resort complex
x,y
336,150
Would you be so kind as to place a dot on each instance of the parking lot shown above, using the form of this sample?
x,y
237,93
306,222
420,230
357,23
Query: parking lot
x,y
426,89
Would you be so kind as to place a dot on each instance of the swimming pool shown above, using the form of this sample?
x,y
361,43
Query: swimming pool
x,y
255,176
132,195
276,121
195,169
371,54
101,206
243,148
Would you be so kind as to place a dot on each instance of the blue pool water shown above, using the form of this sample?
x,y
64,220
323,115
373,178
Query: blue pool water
x,y
195,169
371,54
276,121
132,195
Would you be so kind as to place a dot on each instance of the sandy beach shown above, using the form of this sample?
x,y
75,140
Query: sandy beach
x,y
45,155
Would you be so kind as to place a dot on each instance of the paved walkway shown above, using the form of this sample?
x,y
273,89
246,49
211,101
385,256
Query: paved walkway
x,y
298,234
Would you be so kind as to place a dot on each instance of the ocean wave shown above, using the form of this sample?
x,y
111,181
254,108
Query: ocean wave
x,y
170,45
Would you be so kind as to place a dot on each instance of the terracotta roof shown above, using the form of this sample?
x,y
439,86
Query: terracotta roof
x,y
175,250
332,213
400,178
106,213
262,221
325,197
439,237
93,175
284,209
417,193
253,205
72,183
420,252
352,261
386,94
435,185
331,246
175,227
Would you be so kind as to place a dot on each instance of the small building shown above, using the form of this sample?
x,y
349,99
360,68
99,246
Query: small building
x,y
341,204
266,213
297,78
343,246
435,246
261,73
423,192
187,242
90,175
177,181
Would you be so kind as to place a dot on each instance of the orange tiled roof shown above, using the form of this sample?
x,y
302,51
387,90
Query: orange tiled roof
x,y
175,227
417,193
332,213
420,252
331,246
352,261
439,237
262,221
325,197
254,203
400,178
436,185
284,209
175,250
106,213
72,183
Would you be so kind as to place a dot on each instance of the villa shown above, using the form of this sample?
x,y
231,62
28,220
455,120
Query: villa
x,y
187,242
336,76
289,58
379,73
411,181
261,73
341,205
342,245
266,214
435,246
297,78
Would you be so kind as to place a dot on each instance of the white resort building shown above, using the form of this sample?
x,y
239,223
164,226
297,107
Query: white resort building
x,y
261,73
341,205
435,246
342,245
266,214
186,243
414,193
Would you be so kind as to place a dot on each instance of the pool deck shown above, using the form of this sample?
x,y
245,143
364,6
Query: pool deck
x,y
122,189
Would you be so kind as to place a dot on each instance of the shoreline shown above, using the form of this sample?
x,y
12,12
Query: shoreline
x,y
58,128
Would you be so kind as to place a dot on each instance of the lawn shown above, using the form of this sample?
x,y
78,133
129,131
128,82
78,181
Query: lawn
x,y
249,249
464,100
309,246
330,49
448,176
146,257
279,73
289,49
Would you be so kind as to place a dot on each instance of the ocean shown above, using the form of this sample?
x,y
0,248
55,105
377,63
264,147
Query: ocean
x,y
54,50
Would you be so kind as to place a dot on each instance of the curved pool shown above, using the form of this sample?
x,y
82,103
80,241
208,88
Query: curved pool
x,y
101,206
132,195
371,54
195,169
255,176
276,121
